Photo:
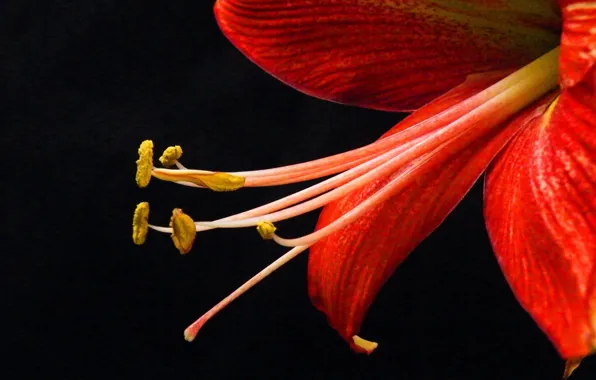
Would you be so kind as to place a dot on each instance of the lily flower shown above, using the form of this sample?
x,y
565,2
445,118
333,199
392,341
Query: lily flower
x,y
505,87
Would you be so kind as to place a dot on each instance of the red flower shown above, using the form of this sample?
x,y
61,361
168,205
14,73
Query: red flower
x,y
492,92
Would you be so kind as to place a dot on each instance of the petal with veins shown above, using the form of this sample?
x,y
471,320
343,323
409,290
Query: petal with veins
x,y
578,41
540,209
386,54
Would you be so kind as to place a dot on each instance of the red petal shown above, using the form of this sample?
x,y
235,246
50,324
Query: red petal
x,y
347,269
540,208
384,54
578,41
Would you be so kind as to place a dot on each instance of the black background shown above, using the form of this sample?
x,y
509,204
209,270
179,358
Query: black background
x,y
82,84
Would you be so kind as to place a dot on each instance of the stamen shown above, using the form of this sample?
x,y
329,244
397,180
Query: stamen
x,y
266,230
296,197
191,331
374,173
183,231
349,180
144,163
292,199
140,223
216,181
300,172
171,155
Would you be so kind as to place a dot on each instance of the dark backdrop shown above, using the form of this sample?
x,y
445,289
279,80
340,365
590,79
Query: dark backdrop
x,y
83,82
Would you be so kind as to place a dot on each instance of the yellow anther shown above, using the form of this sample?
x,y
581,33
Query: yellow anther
x,y
364,344
217,181
220,181
140,223
144,163
171,155
183,230
570,366
266,230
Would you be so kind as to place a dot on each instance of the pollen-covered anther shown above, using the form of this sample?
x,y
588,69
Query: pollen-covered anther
x,y
266,230
216,181
171,155
183,230
365,345
140,223
221,181
144,163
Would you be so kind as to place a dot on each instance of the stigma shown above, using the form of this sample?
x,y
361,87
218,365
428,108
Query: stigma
x,y
401,157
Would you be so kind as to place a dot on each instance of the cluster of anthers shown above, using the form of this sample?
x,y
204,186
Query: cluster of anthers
x,y
183,228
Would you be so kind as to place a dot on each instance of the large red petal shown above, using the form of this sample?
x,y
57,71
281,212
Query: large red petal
x,y
578,41
386,54
540,208
347,269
